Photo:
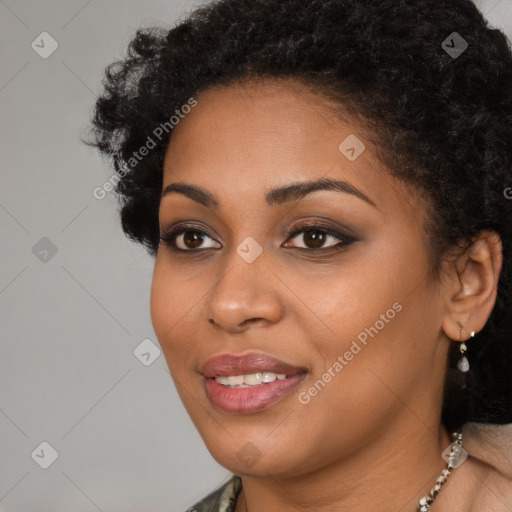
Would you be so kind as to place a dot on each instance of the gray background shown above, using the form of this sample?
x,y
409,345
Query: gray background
x,y
72,320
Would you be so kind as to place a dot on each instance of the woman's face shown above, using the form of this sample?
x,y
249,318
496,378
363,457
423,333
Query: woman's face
x,y
326,286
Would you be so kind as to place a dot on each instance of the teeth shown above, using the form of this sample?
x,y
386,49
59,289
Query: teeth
x,y
251,379
236,380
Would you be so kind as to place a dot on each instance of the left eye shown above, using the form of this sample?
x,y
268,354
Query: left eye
x,y
316,238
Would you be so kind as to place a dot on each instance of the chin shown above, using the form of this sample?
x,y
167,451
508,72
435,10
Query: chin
x,y
259,457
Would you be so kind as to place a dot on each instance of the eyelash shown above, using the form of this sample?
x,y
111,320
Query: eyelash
x,y
307,227
168,238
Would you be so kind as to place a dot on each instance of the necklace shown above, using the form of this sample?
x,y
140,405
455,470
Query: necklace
x,y
455,456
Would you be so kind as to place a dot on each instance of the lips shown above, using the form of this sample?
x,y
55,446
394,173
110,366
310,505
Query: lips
x,y
230,364
244,400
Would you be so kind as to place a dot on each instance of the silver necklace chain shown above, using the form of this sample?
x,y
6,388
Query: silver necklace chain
x,y
452,462
426,502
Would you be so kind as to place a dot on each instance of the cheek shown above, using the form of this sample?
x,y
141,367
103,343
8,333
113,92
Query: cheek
x,y
160,305
171,303
352,298
382,358
379,338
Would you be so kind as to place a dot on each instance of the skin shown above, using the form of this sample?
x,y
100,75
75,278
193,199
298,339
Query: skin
x,y
371,438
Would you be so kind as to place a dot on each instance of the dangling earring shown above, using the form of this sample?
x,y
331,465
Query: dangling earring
x,y
463,364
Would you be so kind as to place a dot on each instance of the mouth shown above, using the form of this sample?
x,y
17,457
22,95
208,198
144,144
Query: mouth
x,y
242,384
248,380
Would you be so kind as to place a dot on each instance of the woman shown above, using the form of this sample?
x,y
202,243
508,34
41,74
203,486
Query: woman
x,y
325,186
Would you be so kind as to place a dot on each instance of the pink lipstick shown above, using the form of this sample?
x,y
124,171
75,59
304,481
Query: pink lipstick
x,y
242,384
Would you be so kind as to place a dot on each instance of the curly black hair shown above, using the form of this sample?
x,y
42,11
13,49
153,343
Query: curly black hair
x,y
441,120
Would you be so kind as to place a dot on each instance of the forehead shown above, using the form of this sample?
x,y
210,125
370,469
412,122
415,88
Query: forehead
x,y
260,135
251,125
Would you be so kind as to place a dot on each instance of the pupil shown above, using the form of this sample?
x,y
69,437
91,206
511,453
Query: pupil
x,y
314,239
192,239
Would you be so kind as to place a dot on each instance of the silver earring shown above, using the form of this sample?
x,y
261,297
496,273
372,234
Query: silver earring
x,y
463,364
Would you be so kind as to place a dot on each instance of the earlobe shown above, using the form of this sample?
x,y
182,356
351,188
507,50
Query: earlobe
x,y
471,289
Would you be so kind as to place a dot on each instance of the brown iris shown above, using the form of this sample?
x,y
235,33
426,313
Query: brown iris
x,y
314,239
192,239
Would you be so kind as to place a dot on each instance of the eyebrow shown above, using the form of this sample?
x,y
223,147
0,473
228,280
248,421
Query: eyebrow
x,y
274,197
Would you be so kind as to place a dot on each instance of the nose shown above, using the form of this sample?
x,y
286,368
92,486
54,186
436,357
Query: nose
x,y
246,294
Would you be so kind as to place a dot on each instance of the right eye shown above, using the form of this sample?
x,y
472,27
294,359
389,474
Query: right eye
x,y
188,239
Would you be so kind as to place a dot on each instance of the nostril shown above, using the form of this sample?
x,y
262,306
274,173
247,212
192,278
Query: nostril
x,y
251,320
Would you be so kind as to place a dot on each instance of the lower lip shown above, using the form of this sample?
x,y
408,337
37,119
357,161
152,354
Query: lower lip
x,y
247,400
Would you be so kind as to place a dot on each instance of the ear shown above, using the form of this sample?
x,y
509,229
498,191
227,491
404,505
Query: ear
x,y
471,284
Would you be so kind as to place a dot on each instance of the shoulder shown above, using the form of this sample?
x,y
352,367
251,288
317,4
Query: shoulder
x,y
491,446
222,499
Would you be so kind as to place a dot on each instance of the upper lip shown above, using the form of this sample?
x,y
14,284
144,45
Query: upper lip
x,y
242,364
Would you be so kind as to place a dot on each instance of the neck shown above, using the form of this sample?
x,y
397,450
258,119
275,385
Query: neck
x,y
389,474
